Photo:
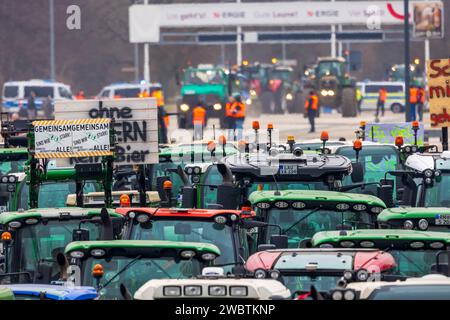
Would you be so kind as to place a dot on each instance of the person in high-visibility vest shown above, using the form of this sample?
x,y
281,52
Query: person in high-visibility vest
x,y
238,114
80,95
311,107
358,100
163,118
413,99
422,95
199,120
229,120
382,95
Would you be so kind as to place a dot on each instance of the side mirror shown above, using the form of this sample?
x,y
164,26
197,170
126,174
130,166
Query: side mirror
x,y
265,247
80,235
107,226
189,197
357,172
161,192
228,196
305,243
280,241
125,293
386,192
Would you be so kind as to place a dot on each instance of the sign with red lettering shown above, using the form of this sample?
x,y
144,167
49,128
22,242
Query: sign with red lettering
x,y
438,75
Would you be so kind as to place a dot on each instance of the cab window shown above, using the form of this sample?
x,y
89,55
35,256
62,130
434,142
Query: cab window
x,y
41,91
209,194
105,93
11,91
64,93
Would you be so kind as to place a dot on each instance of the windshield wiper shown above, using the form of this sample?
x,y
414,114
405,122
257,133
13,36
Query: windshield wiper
x,y
301,219
129,264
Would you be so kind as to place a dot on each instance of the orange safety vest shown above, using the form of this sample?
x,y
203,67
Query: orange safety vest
x,y
158,94
199,116
413,95
238,110
382,95
228,110
422,95
315,102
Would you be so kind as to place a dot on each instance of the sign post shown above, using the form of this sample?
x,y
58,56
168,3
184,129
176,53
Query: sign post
x,y
439,96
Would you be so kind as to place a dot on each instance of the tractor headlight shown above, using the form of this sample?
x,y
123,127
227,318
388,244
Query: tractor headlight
x,y
331,93
172,291
348,275
428,173
408,224
337,295
349,295
192,291
423,224
217,291
240,291
324,93
248,101
362,275
260,274
217,106
184,107
289,96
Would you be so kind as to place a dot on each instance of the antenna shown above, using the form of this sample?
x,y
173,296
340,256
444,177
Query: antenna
x,y
277,191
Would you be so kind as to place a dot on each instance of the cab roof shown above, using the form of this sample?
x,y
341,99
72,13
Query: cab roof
x,y
52,213
54,292
13,151
308,167
411,212
88,245
195,149
385,236
185,213
299,195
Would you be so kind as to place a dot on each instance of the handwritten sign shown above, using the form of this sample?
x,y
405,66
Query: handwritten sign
x,y
135,124
72,138
438,75
386,132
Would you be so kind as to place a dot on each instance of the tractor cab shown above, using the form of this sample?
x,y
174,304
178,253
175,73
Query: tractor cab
x,y
33,239
415,252
227,229
323,269
413,218
299,214
118,268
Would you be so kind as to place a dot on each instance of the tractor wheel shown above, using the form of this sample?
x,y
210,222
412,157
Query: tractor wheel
x,y
396,108
266,102
349,104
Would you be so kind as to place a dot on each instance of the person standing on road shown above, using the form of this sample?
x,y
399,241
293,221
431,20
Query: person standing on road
x,y
421,102
31,107
358,100
311,107
238,114
199,120
382,95
413,99
229,119
47,106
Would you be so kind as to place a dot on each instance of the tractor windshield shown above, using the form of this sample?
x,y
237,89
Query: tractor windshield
x,y
331,68
281,74
199,77
303,283
54,194
11,163
413,263
177,229
437,195
37,245
166,169
302,224
376,161
136,272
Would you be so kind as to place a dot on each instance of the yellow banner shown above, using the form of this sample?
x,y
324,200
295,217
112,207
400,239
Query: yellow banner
x,y
438,75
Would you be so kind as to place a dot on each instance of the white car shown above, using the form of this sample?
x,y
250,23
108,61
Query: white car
x,y
15,94
127,90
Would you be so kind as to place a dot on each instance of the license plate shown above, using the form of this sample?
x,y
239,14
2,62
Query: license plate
x,y
442,220
288,169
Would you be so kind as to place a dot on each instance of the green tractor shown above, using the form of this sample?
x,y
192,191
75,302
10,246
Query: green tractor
x,y
335,88
209,84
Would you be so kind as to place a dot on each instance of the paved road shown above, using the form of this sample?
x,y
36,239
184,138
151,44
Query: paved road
x,y
298,126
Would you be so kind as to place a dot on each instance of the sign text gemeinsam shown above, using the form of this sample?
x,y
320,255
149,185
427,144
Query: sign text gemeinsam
x,y
136,126
438,75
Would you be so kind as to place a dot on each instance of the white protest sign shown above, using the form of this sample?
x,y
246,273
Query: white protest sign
x,y
135,124
72,138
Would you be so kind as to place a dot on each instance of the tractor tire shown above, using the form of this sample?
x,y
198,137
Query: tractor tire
x,y
349,103
266,102
397,108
